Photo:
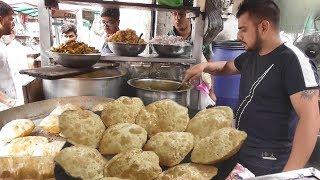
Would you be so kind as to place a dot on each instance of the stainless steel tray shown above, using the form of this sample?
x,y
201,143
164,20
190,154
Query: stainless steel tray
x,y
308,173
40,109
16,167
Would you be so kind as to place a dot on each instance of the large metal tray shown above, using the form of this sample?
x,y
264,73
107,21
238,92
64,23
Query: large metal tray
x,y
308,173
16,166
40,109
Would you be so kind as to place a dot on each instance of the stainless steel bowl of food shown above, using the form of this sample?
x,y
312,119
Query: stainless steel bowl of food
x,y
75,60
151,90
123,49
75,54
171,50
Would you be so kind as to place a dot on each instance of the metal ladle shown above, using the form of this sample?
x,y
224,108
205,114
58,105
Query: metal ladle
x,y
139,38
180,87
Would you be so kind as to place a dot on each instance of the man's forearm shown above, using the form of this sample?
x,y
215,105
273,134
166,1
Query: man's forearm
x,y
215,67
221,68
303,144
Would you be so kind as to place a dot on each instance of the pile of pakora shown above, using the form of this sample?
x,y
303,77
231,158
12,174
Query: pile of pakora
x,y
127,36
74,47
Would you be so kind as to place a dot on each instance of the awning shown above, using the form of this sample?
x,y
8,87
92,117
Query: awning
x,y
25,8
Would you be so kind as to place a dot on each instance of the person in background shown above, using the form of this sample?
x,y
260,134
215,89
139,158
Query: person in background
x,y
17,62
182,27
110,18
279,92
7,89
69,32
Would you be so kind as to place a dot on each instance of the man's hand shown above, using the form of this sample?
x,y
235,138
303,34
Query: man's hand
x,y
194,73
306,106
214,68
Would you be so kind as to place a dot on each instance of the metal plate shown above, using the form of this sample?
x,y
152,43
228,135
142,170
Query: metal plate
x,y
308,173
40,109
59,72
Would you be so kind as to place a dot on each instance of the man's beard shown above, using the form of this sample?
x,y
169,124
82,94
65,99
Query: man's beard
x,y
181,26
7,31
258,43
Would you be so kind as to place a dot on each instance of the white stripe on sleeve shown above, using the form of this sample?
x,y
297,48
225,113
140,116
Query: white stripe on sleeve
x,y
308,74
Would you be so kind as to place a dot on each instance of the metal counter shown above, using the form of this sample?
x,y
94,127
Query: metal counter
x,y
308,173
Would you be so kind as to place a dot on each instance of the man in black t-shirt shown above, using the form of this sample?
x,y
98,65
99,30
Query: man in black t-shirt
x,y
278,93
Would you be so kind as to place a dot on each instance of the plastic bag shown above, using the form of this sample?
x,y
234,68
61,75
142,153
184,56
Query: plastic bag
x,y
205,99
239,172
172,3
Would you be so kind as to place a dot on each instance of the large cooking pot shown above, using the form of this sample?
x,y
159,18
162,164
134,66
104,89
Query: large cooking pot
x,y
150,90
106,82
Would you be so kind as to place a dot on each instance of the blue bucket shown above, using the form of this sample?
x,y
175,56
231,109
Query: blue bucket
x,y
227,87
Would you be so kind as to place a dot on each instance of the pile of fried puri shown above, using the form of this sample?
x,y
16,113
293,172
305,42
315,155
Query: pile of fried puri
x,y
130,140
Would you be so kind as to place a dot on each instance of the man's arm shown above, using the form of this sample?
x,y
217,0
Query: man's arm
x,y
306,106
222,68
6,100
214,68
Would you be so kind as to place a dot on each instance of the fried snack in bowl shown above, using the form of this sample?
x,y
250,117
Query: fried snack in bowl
x,y
127,36
126,43
74,47
75,55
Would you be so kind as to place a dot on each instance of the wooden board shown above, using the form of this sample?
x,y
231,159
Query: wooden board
x,y
59,72
33,91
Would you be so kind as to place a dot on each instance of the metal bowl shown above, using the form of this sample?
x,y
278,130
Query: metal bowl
x,y
171,50
75,60
122,49
151,90
106,82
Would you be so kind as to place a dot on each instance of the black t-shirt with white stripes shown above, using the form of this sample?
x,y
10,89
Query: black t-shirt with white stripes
x,y
265,111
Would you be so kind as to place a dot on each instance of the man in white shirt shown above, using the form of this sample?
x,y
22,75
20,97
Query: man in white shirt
x,y
7,89
17,62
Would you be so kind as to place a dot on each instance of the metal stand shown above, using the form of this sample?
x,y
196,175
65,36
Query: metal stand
x,y
45,32
197,34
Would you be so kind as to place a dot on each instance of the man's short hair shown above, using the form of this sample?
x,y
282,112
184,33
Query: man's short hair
x,y
111,12
5,9
261,10
69,28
